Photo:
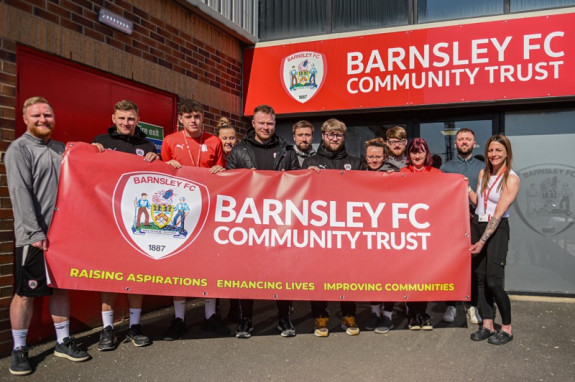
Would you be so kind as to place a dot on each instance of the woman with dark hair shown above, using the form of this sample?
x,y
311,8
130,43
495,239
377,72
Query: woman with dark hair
x,y
419,157
419,160
497,189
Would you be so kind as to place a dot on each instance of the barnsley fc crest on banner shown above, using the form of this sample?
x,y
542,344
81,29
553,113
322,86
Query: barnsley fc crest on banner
x,y
303,74
158,214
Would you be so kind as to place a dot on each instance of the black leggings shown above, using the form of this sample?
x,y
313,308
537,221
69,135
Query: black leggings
x,y
319,308
247,308
490,271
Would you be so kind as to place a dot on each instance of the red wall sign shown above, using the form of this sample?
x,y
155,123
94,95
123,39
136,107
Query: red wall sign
x,y
498,60
147,228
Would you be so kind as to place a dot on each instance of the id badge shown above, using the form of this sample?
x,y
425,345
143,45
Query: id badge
x,y
484,218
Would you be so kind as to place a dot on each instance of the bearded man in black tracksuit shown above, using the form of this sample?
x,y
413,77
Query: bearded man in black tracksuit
x,y
332,154
262,149
124,136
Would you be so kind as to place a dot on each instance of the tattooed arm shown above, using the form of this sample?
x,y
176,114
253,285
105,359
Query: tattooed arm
x,y
508,194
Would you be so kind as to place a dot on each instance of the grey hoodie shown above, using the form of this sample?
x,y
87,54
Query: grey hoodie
x,y
32,171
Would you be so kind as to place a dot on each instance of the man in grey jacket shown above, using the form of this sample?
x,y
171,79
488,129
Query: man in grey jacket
x,y
32,170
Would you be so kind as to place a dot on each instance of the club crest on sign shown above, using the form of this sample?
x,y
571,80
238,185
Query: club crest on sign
x,y
157,214
303,74
545,200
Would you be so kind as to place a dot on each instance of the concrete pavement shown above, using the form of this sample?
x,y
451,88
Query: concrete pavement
x,y
543,350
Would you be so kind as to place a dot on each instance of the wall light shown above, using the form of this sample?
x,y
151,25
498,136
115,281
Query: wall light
x,y
115,21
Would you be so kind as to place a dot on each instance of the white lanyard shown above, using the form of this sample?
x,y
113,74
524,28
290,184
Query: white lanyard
x,y
189,151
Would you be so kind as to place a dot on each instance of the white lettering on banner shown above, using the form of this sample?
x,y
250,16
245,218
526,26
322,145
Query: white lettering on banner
x,y
283,213
278,214
290,238
441,56
418,67
528,46
509,73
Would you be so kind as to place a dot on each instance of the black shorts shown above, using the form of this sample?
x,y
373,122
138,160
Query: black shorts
x,y
31,279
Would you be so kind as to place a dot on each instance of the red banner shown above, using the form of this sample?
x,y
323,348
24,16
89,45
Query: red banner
x,y
498,60
125,225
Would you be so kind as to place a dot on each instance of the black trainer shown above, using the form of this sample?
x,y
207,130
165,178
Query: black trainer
x,y
19,364
384,326
176,330
69,350
245,329
426,322
107,339
215,324
500,338
372,323
286,327
481,334
414,322
137,337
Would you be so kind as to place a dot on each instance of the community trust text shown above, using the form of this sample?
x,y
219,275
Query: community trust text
x,y
321,224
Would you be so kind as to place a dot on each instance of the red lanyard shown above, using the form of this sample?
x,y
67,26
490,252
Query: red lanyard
x,y
488,191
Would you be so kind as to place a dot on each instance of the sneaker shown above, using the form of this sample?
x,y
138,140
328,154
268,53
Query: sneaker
x,y
215,324
286,327
384,326
320,327
137,337
473,315
176,330
414,323
245,328
348,324
373,322
500,338
107,339
69,350
19,364
426,322
450,313
481,334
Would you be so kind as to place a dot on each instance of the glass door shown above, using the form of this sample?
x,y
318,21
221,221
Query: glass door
x,y
440,136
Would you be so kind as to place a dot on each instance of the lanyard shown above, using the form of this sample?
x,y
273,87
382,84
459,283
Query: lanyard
x,y
189,151
488,191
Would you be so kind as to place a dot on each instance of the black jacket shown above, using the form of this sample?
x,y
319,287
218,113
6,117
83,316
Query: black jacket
x,y
243,154
338,160
131,144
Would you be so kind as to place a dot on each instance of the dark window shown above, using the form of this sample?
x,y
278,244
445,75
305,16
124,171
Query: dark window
x,y
437,10
283,19
528,5
368,14
279,19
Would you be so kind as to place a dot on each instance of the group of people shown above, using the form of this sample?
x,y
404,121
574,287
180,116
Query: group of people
x,y
33,165
493,187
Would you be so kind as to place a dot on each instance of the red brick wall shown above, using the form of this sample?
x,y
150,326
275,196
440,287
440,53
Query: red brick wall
x,y
171,49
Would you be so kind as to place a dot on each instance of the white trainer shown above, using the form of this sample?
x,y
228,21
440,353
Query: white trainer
x,y
473,315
